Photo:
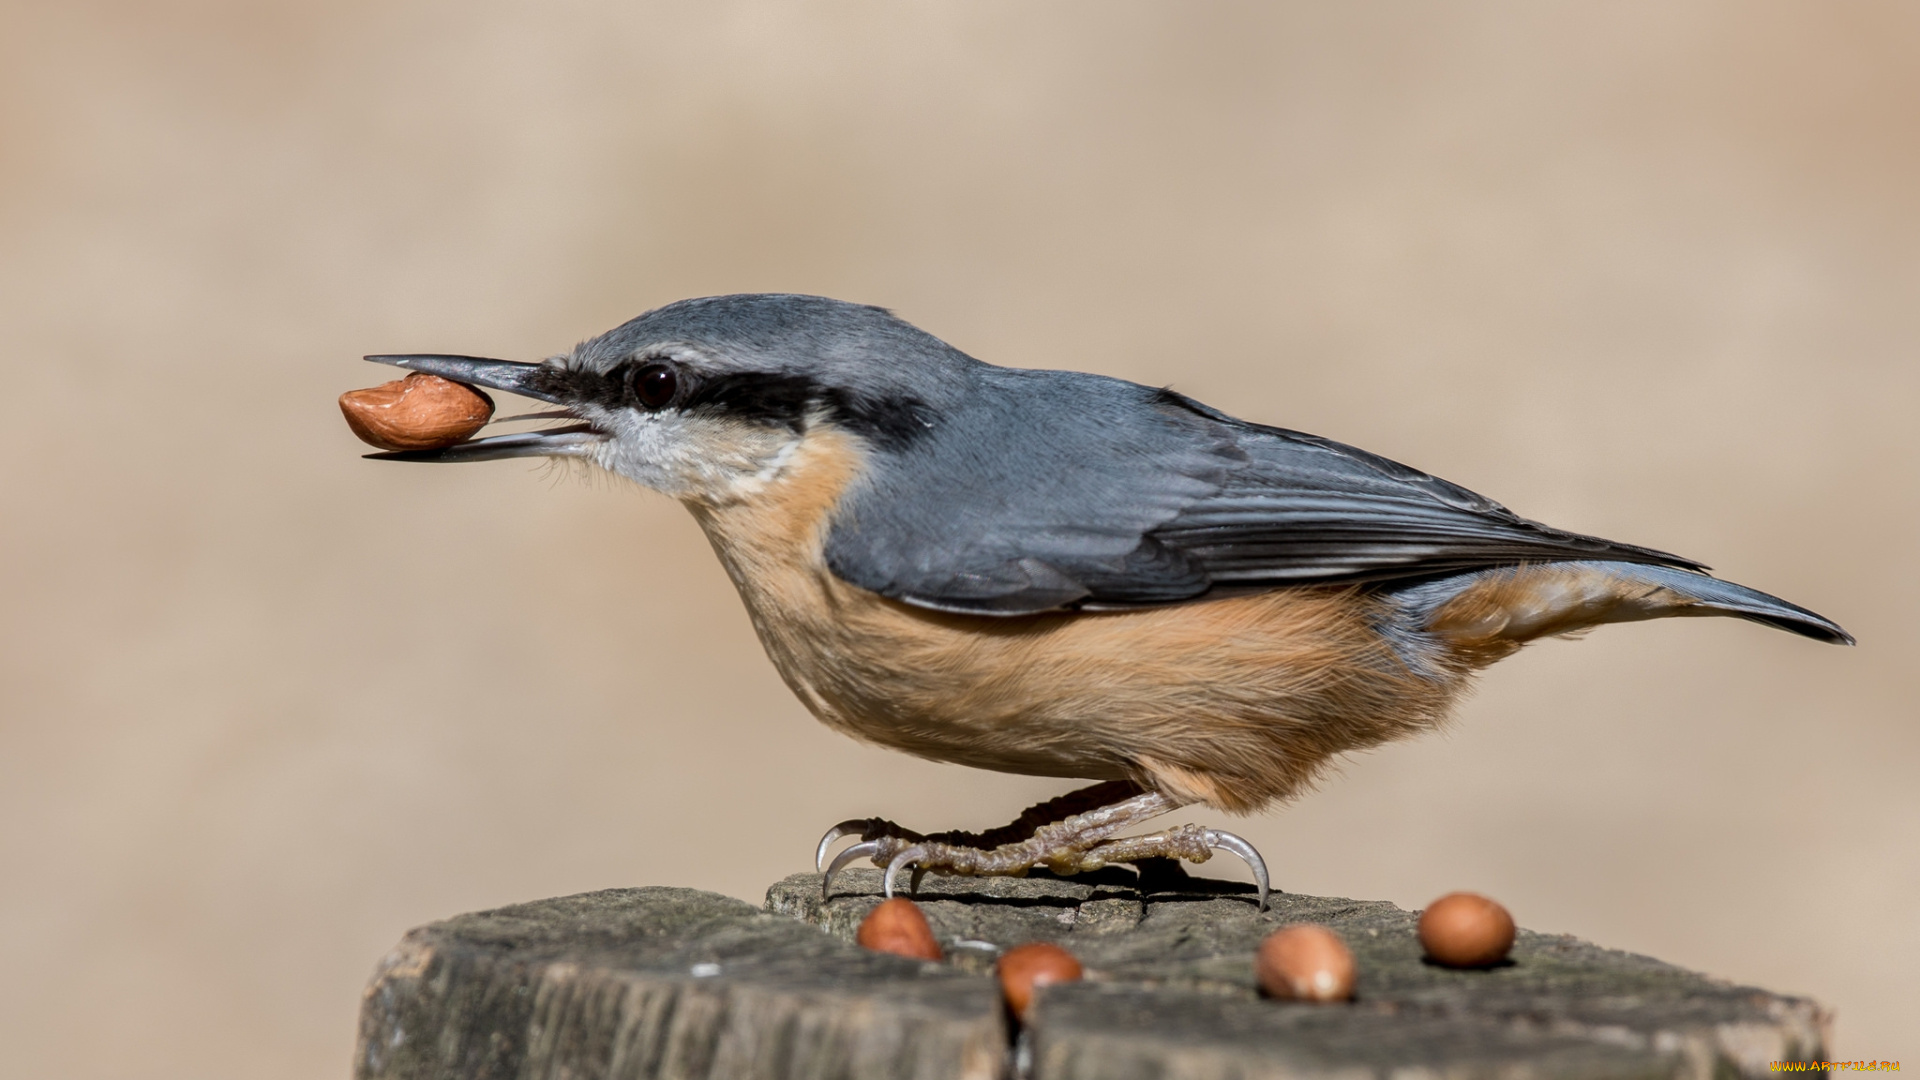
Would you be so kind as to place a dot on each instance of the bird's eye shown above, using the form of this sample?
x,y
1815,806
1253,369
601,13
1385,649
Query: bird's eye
x,y
654,385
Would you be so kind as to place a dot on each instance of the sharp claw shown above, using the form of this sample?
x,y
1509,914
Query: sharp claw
x,y
853,827
864,850
1226,841
901,860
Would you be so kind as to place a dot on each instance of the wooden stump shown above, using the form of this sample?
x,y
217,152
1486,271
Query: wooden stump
x,y
661,982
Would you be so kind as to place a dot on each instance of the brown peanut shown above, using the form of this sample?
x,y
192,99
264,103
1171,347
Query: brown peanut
x,y
1305,963
899,927
419,412
1466,930
1026,968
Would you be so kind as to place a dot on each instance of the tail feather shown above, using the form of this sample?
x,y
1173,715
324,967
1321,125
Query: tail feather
x,y
1501,608
1727,598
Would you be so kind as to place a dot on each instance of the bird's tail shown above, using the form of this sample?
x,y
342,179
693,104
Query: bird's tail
x,y
1488,613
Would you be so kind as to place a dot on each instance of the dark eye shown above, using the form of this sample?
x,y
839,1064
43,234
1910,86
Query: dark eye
x,y
654,385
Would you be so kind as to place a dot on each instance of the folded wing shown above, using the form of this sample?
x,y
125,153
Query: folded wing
x,y
1055,490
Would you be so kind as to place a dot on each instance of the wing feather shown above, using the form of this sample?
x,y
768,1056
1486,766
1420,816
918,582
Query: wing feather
x,y
1053,490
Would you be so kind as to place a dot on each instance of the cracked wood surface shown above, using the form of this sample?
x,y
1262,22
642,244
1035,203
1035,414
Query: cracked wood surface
x,y
662,982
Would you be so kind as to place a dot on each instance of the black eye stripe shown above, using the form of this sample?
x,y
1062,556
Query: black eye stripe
x,y
772,398
761,397
645,384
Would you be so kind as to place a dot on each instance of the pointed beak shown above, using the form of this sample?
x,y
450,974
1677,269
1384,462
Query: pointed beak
x,y
527,380
536,381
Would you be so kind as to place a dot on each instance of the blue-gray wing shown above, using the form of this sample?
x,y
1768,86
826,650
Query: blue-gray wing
x,y
1051,490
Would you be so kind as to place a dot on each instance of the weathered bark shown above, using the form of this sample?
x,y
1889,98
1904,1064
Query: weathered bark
x,y
665,983
676,983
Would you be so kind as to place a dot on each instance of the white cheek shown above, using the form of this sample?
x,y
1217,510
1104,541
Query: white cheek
x,y
647,449
692,459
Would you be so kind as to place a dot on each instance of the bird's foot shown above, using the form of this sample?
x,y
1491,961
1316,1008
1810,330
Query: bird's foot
x,y
1057,835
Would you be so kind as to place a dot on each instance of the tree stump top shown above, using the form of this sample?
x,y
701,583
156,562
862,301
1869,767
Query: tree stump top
x,y
661,982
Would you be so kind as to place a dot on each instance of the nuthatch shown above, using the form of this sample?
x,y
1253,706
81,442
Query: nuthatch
x,y
1061,574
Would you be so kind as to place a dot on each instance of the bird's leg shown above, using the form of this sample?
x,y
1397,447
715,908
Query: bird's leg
x,y
889,839
1068,835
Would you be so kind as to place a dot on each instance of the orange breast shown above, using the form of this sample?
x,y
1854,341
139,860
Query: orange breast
x,y
1233,702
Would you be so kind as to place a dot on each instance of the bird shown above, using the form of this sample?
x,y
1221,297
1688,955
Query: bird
x,y
1062,574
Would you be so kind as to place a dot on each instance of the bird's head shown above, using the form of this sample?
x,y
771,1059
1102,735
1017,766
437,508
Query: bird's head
x,y
705,399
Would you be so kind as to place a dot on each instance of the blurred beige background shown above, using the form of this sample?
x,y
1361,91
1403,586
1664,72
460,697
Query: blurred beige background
x,y
1650,270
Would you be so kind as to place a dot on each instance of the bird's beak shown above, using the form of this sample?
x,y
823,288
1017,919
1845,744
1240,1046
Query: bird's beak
x,y
510,375
527,380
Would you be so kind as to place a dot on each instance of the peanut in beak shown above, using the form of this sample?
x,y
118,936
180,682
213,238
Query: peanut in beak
x,y
419,412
